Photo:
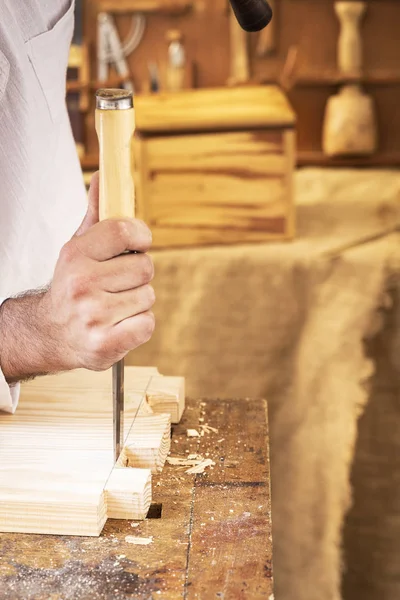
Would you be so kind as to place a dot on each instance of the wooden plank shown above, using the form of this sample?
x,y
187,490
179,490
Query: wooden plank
x,y
57,472
129,6
217,109
128,494
222,152
221,188
147,443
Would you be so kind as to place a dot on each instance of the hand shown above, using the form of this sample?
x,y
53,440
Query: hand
x,y
97,307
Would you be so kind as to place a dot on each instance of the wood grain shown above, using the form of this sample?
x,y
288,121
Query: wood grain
x,y
57,472
37,566
217,109
129,6
224,187
115,129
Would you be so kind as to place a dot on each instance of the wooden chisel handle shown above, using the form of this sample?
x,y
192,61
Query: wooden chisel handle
x,y
115,126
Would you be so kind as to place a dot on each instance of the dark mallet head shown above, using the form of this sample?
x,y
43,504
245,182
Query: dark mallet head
x,y
253,15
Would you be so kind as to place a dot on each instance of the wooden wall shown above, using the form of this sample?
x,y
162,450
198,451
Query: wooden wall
x,y
309,25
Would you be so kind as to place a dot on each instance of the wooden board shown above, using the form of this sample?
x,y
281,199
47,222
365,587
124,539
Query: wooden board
x,y
213,538
218,109
57,471
217,188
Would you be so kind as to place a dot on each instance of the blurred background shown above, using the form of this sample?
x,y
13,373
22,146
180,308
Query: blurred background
x,y
267,167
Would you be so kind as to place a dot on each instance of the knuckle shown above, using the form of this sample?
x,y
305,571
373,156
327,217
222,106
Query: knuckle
x,y
147,269
77,285
121,230
67,252
148,326
99,352
150,295
93,314
144,229
144,331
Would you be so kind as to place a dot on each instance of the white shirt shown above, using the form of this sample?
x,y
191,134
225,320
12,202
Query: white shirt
x,y
42,195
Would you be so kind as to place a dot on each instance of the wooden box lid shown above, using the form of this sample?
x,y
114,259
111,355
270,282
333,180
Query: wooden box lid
x,y
214,109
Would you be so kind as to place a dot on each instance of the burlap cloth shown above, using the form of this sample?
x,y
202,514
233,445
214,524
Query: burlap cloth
x,y
288,322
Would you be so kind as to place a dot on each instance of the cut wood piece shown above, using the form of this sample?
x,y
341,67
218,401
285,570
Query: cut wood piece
x,y
57,468
128,493
167,395
148,443
53,492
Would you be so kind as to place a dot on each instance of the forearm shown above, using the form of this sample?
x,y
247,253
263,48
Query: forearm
x,y
28,345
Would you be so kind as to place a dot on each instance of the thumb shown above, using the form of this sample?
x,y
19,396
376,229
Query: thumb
x,y
92,213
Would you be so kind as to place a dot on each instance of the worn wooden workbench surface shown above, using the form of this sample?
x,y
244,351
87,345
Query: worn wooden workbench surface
x,y
213,539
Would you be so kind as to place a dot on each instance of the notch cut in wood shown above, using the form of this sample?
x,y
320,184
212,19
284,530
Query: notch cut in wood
x,y
57,472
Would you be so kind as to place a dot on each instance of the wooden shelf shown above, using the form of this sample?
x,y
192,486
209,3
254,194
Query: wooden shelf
x,y
318,158
160,6
382,77
90,162
75,86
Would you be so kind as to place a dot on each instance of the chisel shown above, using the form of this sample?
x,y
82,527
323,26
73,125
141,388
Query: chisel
x,y
115,126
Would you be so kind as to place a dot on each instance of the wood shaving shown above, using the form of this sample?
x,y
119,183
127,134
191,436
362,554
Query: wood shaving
x,y
192,433
138,541
185,462
200,468
207,428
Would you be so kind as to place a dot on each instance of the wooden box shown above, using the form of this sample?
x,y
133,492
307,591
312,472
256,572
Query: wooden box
x,y
215,166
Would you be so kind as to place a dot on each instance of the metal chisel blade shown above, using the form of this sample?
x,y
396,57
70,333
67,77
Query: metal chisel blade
x,y
118,407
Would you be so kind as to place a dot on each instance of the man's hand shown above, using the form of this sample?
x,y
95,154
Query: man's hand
x,y
97,308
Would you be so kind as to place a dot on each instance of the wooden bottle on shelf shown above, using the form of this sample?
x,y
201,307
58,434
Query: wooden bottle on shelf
x,y
267,37
350,124
239,52
176,66
350,57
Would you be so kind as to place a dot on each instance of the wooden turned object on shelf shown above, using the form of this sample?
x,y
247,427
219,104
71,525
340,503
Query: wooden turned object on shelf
x,y
350,125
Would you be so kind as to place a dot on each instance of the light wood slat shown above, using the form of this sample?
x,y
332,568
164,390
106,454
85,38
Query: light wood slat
x,y
227,150
148,443
215,109
57,471
128,493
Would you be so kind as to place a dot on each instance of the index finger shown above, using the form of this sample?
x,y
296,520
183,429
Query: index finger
x,y
113,237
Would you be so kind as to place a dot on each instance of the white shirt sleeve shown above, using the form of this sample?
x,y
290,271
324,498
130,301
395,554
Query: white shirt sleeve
x,y
9,395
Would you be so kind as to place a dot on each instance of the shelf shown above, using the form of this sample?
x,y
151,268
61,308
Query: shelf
x,y
75,86
89,162
318,158
160,6
382,77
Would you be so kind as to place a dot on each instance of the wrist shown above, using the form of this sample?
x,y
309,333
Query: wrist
x,y
28,346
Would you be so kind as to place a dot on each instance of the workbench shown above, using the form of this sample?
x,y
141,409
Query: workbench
x,y
207,535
